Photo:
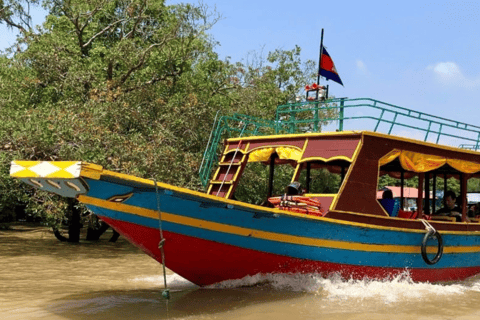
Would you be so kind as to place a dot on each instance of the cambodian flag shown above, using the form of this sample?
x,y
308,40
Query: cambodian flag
x,y
327,68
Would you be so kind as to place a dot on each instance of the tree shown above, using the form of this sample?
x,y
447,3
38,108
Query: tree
x,y
16,14
98,83
128,84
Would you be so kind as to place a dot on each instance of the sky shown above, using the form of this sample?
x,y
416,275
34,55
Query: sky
x,y
421,55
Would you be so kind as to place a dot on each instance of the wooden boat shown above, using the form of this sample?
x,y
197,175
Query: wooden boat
x,y
211,237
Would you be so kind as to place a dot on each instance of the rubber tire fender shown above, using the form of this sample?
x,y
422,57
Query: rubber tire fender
x,y
438,256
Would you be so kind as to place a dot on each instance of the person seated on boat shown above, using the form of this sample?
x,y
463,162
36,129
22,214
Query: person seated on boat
x,y
390,205
474,210
471,211
451,208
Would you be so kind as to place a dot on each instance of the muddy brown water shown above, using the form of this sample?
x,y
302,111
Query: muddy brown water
x,y
42,278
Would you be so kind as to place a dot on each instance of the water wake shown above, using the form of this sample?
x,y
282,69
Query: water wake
x,y
335,288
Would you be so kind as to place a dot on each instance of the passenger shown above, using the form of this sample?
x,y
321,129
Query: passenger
x,y
471,211
387,194
389,204
474,210
451,209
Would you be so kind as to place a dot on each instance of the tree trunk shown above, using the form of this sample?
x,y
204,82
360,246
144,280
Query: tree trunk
x,y
74,225
59,236
95,234
114,236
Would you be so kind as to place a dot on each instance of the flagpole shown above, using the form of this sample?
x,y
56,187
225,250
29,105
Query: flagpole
x,y
320,60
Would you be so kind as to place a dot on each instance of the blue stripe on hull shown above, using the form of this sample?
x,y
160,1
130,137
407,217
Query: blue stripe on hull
x,y
341,256
205,209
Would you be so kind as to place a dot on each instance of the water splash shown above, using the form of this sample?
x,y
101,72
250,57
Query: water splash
x,y
335,288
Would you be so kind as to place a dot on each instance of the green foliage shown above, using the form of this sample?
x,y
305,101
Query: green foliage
x,y
131,85
452,183
322,181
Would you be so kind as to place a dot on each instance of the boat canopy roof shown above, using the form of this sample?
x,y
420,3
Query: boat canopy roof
x,y
299,148
367,155
392,153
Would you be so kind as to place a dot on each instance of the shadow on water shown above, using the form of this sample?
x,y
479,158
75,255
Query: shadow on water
x,y
149,304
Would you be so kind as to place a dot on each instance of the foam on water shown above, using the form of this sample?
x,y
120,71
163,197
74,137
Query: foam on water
x,y
335,288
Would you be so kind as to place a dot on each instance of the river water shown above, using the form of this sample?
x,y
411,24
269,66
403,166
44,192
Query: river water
x,y
42,278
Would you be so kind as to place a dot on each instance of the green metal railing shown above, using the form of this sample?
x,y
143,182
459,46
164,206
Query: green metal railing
x,y
237,125
291,117
356,113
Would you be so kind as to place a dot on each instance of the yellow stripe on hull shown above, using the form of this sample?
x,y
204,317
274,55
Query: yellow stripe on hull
x,y
272,236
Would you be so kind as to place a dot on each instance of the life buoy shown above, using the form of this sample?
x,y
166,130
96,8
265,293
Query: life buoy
x,y
438,256
298,204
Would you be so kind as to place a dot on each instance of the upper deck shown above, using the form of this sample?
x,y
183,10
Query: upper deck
x,y
341,115
359,157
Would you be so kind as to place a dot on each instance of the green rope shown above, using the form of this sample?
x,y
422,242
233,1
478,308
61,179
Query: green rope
x,y
166,291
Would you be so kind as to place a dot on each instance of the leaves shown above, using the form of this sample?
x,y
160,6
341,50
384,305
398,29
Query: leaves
x,y
131,85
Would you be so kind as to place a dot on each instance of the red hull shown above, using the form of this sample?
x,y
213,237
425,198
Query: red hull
x,y
205,262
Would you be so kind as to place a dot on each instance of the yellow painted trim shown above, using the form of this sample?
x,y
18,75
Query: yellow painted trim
x,y
304,147
344,133
295,173
221,181
222,159
272,236
229,191
334,201
326,159
96,169
320,195
235,176
45,169
347,176
223,164
274,210
217,172
424,143
92,171
248,146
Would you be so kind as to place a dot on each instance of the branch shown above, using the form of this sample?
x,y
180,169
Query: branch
x,y
138,19
141,62
91,14
3,16
102,32
152,81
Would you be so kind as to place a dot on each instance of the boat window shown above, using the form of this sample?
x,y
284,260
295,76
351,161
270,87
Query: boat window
x,y
324,177
412,176
253,186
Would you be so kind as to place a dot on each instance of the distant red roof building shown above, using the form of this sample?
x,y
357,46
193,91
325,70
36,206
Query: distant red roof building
x,y
407,192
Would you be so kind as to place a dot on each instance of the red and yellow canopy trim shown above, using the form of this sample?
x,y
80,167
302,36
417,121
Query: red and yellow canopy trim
x,y
286,153
420,162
